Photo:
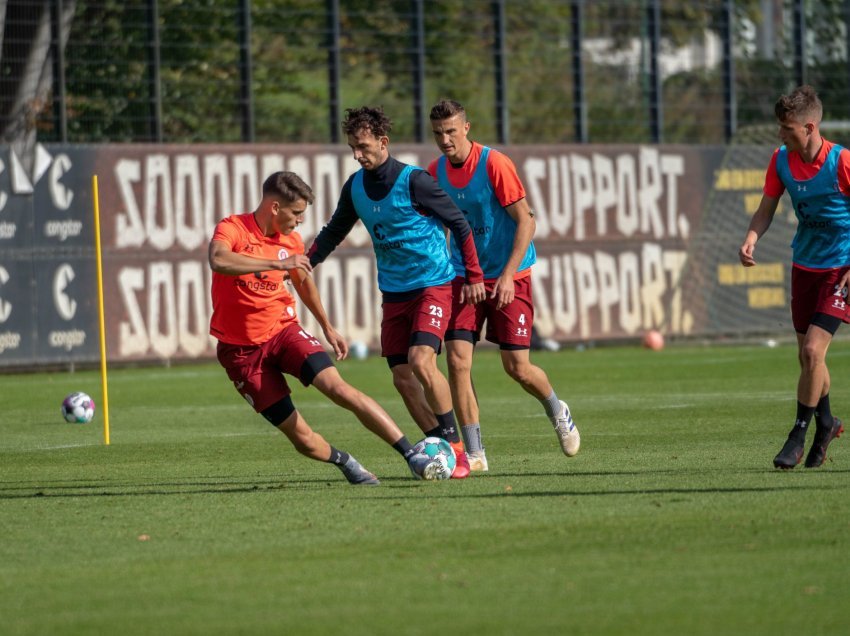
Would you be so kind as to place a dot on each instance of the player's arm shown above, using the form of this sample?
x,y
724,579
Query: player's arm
x,y
432,199
338,227
758,226
773,190
223,260
307,291
521,212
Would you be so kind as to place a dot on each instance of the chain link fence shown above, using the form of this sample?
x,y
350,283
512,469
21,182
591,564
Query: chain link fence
x,y
531,71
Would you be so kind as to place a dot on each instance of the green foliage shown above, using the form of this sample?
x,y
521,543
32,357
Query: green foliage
x,y
111,89
107,74
199,518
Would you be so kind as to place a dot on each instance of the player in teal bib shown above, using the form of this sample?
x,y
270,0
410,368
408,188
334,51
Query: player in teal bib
x,y
823,217
484,184
816,174
410,248
493,229
405,212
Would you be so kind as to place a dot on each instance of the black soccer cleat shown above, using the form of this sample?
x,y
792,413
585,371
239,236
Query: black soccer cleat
x,y
791,454
823,436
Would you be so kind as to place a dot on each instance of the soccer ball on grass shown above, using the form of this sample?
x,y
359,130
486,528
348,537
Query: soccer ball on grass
x,y
438,449
78,408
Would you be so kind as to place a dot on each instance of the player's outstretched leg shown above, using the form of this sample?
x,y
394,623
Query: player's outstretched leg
x,y
535,382
374,418
311,444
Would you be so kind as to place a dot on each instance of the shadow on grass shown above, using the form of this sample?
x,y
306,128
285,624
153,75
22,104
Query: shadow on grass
x,y
70,488
11,490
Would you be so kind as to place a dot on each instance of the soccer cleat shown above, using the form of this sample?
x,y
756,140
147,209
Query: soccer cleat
x,y
566,431
428,468
823,436
477,461
791,453
357,475
461,470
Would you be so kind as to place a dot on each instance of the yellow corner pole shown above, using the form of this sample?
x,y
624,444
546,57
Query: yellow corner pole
x,y
100,311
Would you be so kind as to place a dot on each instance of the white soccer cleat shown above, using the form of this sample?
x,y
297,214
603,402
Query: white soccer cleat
x,y
566,431
477,461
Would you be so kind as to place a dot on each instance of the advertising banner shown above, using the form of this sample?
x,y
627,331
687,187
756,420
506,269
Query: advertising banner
x,y
628,238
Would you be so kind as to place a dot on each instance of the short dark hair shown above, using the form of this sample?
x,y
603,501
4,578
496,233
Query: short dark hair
x,y
447,108
802,102
366,117
287,186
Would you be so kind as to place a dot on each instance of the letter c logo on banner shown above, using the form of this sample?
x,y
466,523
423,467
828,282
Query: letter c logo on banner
x,y
5,307
65,305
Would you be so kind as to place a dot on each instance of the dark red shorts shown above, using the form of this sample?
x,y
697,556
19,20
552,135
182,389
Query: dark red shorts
x,y
510,325
256,370
429,312
816,292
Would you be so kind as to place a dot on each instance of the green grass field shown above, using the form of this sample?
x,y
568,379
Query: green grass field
x,y
199,518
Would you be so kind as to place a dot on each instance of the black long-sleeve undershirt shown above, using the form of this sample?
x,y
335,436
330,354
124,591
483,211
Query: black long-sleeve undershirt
x,y
425,195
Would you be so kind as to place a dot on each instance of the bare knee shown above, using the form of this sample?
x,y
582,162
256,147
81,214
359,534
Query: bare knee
x,y
811,356
422,362
404,381
519,371
458,363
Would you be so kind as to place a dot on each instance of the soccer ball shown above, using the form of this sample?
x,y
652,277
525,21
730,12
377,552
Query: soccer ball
x,y
653,339
78,408
358,350
439,449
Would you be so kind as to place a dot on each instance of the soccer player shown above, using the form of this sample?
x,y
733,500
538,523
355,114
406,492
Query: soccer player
x,y
816,174
405,213
254,320
485,185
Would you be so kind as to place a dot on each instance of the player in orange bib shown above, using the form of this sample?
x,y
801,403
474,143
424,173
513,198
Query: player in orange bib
x,y
259,337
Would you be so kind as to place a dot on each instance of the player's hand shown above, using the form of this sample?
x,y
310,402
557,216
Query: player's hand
x,y
745,254
503,291
844,283
297,261
337,342
472,294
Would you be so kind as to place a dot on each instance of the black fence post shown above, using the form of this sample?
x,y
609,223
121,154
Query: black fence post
x,y
656,126
500,60
333,70
579,101
60,110
419,70
730,107
246,75
799,35
154,81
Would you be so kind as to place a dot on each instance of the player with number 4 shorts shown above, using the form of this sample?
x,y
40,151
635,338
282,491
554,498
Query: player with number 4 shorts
x,y
485,185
